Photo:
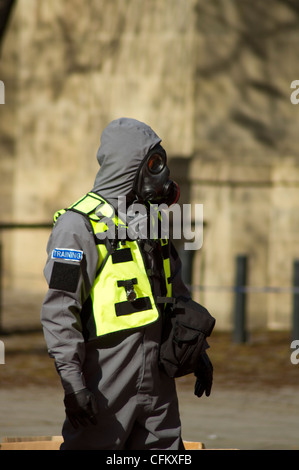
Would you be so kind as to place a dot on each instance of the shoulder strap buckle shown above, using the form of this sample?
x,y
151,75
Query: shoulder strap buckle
x,y
129,288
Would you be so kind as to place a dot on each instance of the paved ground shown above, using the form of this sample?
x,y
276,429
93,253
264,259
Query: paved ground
x,y
227,419
254,402
265,420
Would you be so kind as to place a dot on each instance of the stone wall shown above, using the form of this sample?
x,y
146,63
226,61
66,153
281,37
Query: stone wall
x,y
212,78
246,164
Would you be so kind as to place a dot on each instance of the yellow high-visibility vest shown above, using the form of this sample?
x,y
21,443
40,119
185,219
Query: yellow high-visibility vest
x,y
121,297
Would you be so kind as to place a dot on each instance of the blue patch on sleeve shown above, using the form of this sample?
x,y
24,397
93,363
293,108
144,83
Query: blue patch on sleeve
x,y
67,254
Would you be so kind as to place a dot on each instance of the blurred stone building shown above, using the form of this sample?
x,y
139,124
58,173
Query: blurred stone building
x,y
212,78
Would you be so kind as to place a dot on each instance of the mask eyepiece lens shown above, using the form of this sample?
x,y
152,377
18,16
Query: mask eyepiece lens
x,y
156,163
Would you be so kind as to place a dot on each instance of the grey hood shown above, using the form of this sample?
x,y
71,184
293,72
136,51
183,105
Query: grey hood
x,y
124,144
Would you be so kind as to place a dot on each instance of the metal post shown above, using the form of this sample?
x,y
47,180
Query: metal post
x,y
240,334
295,325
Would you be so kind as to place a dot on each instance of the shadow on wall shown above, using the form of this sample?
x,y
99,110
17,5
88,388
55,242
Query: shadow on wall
x,y
6,7
179,172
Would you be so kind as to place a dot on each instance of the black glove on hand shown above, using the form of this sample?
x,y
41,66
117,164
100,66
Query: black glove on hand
x,y
204,374
81,407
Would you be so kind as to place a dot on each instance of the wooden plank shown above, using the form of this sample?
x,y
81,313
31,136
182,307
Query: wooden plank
x,y
31,443
189,445
54,442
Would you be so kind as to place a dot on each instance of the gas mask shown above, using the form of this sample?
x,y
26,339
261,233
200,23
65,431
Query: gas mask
x,y
152,181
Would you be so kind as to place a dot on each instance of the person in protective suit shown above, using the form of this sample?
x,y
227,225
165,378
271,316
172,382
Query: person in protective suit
x,y
103,313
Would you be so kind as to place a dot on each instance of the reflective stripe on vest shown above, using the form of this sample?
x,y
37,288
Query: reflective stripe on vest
x,y
120,272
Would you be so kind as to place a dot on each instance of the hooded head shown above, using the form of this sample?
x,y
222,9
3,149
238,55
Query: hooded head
x,y
124,153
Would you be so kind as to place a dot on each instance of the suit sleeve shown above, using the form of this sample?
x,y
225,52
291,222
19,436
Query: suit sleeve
x,y
69,271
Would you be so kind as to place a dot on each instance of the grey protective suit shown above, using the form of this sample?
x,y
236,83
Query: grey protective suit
x,y
137,401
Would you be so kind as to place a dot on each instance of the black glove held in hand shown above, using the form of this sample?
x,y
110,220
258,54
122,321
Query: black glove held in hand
x,y
204,374
81,408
